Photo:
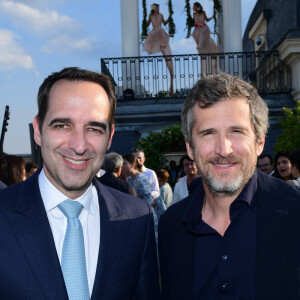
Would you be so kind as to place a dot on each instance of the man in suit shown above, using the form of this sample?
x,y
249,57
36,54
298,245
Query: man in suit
x,y
113,167
63,234
236,236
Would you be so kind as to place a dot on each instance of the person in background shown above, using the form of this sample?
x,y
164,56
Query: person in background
x,y
140,155
265,164
201,33
166,193
113,167
137,179
173,174
283,166
182,187
30,168
12,169
140,183
295,161
158,40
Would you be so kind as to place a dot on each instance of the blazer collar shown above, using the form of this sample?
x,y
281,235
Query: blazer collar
x,y
32,230
274,216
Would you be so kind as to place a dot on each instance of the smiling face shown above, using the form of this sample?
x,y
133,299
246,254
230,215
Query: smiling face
x,y
189,168
74,135
264,164
225,146
284,167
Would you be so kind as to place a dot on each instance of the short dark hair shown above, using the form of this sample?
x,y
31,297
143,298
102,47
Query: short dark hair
x,y
112,162
295,159
266,155
131,159
182,159
74,74
31,165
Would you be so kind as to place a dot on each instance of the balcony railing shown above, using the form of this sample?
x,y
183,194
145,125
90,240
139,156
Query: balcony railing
x,y
147,77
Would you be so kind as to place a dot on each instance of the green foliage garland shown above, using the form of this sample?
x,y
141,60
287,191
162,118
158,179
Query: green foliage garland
x,y
157,144
144,22
189,20
217,9
289,139
170,21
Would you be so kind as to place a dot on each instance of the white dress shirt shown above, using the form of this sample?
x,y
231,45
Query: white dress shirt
x,y
153,181
89,218
180,190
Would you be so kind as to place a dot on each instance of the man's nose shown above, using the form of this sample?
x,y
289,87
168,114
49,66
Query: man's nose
x,y
78,142
223,146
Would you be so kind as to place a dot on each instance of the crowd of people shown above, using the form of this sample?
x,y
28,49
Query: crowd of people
x,y
215,227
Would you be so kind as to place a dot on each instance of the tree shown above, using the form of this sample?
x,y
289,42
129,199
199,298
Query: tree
x,y
289,139
157,144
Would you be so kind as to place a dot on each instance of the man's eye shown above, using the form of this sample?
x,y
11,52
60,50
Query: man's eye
x,y
60,126
96,130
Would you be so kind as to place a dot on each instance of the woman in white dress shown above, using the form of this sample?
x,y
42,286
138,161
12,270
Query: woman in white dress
x,y
201,34
158,40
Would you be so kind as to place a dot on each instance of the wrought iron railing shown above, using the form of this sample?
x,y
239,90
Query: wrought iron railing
x,y
173,76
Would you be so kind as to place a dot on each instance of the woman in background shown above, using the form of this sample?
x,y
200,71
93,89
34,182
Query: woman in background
x,y
138,180
204,43
165,189
283,166
158,40
12,169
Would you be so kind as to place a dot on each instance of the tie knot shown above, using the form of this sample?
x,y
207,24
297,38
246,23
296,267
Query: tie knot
x,y
71,209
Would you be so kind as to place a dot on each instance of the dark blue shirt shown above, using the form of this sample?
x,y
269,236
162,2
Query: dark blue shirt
x,y
225,266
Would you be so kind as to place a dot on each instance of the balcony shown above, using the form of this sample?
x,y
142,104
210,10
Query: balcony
x,y
149,77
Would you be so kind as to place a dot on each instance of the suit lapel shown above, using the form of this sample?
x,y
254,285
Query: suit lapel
x,y
33,233
273,223
112,237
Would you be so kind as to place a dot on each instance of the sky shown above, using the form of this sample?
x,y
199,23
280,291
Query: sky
x,y
38,37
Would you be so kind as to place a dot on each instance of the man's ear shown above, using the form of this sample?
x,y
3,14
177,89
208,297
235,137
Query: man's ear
x,y
37,133
189,150
260,145
112,131
119,171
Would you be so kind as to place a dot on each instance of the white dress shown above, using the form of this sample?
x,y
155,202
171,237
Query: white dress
x,y
157,38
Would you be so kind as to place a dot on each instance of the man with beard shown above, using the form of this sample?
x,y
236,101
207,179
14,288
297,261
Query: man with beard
x,y
237,235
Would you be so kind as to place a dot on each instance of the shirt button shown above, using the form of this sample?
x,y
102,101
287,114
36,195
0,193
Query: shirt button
x,y
224,257
224,284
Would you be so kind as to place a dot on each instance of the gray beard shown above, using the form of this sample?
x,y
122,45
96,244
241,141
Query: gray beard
x,y
220,189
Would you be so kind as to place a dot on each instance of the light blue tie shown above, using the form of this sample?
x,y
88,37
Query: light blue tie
x,y
73,263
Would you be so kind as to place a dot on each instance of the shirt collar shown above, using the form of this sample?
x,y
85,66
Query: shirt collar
x,y
193,216
52,197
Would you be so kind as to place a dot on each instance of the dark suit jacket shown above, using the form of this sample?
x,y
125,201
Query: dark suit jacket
x,y
29,265
277,274
116,183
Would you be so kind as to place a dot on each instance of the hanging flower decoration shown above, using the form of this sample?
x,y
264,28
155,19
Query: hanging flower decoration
x,y
189,20
144,22
170,21
217,10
